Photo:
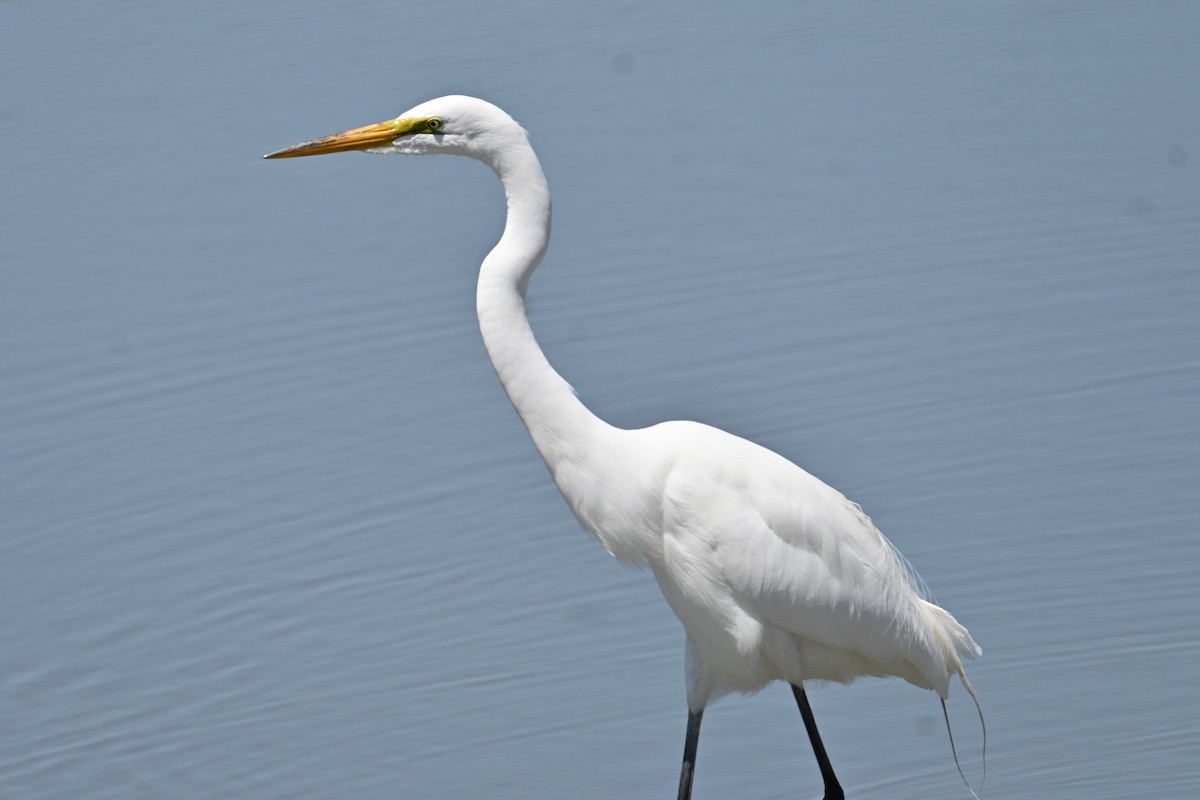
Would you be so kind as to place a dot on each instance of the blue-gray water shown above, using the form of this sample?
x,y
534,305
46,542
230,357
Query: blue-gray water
x,y
269,529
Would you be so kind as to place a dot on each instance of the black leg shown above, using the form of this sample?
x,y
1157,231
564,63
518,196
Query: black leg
x,y
833,789
689,755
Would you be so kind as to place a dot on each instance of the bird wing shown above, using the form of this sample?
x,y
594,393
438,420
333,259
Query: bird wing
x,y
800,557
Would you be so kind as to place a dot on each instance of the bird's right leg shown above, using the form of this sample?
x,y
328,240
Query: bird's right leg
x,y
833,789
689,754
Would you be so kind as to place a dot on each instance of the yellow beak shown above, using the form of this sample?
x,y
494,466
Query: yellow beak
x,y
378,135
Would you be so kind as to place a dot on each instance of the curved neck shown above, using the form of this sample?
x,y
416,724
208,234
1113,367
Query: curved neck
x,y
560,425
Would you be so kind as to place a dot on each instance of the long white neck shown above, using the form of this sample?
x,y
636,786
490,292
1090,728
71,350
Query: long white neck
x,y
563,429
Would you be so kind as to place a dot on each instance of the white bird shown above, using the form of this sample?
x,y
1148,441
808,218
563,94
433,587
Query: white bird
x,y
775,575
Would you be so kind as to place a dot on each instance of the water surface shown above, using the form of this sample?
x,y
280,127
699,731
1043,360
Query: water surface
x,y
268,527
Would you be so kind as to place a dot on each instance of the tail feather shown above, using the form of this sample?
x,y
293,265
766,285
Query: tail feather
x,y
958,636
962,676
959,644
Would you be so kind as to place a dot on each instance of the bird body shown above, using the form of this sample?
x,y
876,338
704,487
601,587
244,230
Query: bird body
x,y
774,574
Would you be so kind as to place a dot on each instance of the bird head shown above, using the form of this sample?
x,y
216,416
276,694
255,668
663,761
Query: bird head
x,y
455,124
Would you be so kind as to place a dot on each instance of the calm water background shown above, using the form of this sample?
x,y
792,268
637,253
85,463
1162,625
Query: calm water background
x,y
269,529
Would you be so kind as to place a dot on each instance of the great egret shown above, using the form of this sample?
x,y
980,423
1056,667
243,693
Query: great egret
x,y
774,575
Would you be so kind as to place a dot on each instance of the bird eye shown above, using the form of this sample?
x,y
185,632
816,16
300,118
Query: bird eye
x,y
434,123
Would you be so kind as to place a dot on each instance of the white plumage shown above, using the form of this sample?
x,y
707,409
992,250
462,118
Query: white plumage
x,y
774,575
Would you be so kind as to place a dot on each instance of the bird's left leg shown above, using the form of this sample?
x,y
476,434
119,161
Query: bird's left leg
x,y
689,754
833,789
